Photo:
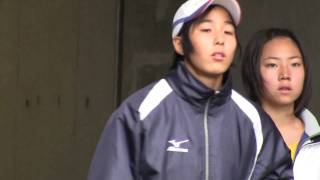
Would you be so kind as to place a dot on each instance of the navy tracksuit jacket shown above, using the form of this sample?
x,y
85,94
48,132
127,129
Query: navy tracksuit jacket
x,y
178,129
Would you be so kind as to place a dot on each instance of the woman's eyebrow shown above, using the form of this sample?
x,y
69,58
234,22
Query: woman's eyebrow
x,y
278,58
271,57
295,57
210,21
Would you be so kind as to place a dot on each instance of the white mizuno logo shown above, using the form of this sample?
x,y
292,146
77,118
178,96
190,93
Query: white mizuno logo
x,y
176,146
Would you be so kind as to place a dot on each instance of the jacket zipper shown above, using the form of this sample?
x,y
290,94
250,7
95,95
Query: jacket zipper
x,y
206,137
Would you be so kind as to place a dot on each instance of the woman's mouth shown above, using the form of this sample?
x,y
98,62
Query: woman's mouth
x,y
218,55
285,89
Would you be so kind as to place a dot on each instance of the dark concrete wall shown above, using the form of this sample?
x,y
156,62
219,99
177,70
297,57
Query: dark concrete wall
x,y
57,76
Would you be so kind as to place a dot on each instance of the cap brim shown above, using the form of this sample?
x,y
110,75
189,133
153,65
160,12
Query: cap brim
x,y
233,8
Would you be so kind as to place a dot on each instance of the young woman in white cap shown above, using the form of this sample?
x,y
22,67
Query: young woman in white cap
x,y
191,125
276,75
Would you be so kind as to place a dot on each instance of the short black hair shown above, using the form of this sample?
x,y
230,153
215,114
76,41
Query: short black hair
x,y
186,43
250,66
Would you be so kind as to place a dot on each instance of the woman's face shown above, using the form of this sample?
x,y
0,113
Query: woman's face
x,y
282,72
213,39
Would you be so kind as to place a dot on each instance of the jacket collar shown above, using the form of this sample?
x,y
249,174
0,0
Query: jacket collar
x,y
311,124
193,90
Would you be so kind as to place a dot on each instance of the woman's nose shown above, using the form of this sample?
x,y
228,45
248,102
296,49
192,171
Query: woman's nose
x,y
218,39
284,73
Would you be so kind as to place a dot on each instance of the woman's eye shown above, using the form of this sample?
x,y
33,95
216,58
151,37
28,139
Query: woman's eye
x,y
296,64
205,30
229,32
271,65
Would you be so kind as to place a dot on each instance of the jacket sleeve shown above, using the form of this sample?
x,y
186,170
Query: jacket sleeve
x,y
116,155
274,161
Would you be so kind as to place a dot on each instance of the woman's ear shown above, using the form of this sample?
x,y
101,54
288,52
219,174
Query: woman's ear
x,y
177,44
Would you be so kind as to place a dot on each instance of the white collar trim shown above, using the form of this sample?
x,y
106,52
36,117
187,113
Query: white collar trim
x,y
311,124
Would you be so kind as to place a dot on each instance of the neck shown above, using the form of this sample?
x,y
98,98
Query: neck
x,y
212,81
281,115
290,126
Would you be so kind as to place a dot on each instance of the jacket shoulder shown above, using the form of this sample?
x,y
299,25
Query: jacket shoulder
x,y
146,99
248,107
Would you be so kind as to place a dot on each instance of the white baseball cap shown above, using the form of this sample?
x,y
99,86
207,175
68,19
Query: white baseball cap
x,y
193,8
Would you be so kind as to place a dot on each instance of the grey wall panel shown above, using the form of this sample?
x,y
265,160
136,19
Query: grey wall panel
x,y
31,149
96,73
63,35
57,85
45,125
8,85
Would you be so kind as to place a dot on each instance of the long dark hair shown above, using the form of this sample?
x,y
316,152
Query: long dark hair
x,y
250,67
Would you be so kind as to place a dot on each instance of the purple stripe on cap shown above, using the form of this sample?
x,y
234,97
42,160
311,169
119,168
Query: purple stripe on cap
x,y
192,16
